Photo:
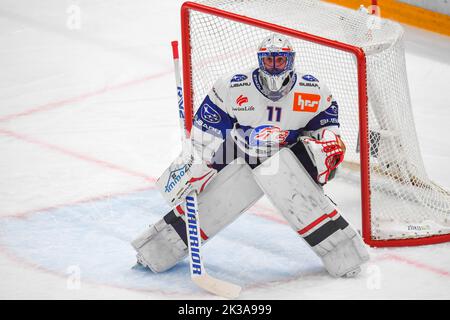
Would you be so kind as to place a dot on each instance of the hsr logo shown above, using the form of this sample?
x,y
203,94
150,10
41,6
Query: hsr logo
x,y
306,102
268,136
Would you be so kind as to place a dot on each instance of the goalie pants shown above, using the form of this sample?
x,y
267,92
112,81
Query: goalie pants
x,y
229,152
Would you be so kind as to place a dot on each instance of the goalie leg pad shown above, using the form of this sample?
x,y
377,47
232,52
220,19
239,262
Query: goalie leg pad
x,y
345,253
232,191
311,213
160,246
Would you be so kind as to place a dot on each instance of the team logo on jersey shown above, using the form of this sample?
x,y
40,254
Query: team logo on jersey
x,y
268,136
210,115
309,77
239,78
306,102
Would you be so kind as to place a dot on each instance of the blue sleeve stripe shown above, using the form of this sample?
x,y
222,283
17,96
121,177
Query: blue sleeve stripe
x,y
326,118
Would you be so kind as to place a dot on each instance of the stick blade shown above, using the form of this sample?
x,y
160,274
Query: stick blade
x,y
218,287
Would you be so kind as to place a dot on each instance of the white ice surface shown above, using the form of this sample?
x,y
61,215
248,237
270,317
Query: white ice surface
x,y
88,120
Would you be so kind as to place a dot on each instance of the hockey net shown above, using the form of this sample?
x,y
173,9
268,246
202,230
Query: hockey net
x,y
361,59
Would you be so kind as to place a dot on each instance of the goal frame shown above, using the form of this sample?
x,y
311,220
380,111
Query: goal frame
x,y
360,57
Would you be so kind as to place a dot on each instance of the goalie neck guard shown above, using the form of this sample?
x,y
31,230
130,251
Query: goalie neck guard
x,y
276,62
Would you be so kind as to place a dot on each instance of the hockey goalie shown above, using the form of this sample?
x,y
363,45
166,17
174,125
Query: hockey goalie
x,y
272,131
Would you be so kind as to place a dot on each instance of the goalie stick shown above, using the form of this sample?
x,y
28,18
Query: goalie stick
x,y
197,270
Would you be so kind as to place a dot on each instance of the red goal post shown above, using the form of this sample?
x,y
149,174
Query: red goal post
x,y
363,114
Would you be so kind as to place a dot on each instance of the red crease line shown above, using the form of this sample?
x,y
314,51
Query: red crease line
x,y
414,263
64,102
76,155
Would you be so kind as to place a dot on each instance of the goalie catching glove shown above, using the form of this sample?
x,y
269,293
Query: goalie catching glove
x,y
327,153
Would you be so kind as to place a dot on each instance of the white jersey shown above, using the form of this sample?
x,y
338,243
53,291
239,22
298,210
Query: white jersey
x,y
238,107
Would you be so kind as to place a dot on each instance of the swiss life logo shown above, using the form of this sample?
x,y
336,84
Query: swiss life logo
x,y
306,102
241,100
180,102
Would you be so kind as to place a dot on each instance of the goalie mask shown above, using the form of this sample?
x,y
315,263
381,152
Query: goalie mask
x,y
276,62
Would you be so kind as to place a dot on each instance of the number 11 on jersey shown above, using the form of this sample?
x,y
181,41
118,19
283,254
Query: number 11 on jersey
x,y
277,112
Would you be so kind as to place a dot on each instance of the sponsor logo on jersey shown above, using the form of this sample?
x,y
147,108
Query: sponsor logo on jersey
x,y
332,110
268,136
309,84
176,175
328,122
210,115
194,232
239,78
241,84
241,100
306,102
310,78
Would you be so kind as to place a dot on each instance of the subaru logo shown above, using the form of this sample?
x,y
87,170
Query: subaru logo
x,y
239,78
210,115
310,78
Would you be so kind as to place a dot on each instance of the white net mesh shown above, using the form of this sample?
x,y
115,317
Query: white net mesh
x,y
405,204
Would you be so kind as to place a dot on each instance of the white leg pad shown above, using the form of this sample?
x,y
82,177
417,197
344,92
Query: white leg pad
x,y
230,193
311,213
159,247
345,258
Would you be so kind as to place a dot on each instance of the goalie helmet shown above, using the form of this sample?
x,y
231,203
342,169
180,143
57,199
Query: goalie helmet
x,y
276,62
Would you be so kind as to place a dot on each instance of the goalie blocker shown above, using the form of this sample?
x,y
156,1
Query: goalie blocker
x,y
293,190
